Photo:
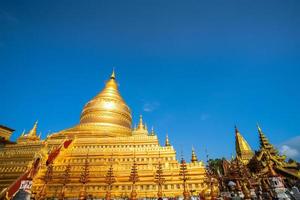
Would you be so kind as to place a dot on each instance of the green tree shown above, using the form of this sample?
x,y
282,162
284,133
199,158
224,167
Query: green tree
x,y
216,165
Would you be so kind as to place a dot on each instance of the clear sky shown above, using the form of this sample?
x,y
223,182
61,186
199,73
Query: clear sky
x,y
194,69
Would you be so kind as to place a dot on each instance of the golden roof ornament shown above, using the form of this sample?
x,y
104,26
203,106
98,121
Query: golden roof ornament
x,y
140,125
152,131
32,132
194,156
30,136
243,149
113,76
23,133
264,142
141,129
167,143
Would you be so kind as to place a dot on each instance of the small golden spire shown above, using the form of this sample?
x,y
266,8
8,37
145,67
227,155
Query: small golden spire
x,y
23,133
140,125
194,156
258,128
232,157
141,119
152,131
32,132
242,148
113,75
236,129
264,142
167,143
141,128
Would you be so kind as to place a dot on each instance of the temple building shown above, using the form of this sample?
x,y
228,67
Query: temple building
x,y
5,134
264,174
102,156
269,155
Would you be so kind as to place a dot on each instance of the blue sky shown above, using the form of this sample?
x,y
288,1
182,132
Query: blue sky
x,y
194,69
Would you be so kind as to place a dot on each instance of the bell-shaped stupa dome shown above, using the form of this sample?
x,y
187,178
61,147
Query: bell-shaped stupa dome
x,y
107,108
106,115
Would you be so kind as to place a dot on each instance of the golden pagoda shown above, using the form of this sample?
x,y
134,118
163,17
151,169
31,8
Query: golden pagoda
x,y
16,159
243,149
104,129
268,155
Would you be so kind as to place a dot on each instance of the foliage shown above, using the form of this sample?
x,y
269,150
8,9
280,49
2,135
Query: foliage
x,y
216,165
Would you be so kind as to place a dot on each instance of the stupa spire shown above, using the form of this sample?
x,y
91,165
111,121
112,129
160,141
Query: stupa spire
x,y
113,75
23,133
264,142
167,143
152,131
194,156
33,131
243,149
141,124
141,128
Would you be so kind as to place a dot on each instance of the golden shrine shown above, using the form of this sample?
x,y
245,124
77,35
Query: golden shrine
x,y
101,157
264,174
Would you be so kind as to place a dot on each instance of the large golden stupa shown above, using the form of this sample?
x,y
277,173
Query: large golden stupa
x,y
99,153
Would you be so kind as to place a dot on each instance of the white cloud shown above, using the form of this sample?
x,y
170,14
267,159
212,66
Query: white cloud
x,y
289,151
150,106
291,148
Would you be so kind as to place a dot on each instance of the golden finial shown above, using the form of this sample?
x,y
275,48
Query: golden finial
x,y
167,144
23,133
194,156
141,119
140,125
152,131
32,132
49,133
145,127
258,128
236,129
113,76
